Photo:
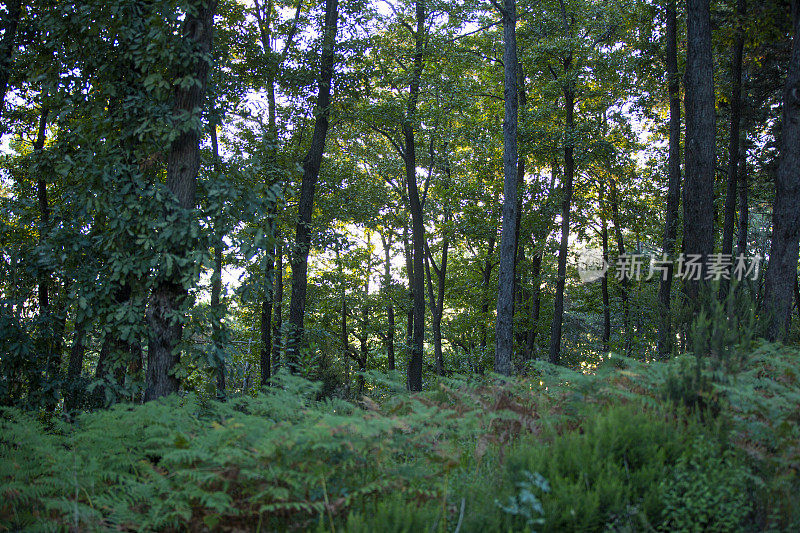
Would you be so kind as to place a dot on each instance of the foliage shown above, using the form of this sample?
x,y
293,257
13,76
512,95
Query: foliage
x,y
708,490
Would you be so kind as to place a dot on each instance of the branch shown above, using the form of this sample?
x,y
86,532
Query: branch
x,y
389,137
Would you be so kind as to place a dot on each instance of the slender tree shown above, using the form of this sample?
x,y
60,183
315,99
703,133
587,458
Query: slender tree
x,y
414,375
665,337
311,166
504,328
733,141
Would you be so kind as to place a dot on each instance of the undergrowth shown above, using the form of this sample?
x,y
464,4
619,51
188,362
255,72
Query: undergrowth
x,y
627,447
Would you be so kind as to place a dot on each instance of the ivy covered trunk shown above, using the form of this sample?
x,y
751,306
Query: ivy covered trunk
x,y
165,313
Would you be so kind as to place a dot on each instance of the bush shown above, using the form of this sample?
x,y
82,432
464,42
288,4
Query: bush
x,y
607,470
708,490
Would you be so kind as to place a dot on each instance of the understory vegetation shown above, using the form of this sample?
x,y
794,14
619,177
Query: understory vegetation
x,y
623,446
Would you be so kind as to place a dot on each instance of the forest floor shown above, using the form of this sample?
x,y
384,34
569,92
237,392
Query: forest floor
x,y
692,444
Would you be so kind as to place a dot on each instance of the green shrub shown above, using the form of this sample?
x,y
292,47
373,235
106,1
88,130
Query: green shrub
x,y
608,468
708,490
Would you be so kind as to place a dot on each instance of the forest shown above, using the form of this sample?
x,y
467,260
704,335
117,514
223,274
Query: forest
x,y
399,265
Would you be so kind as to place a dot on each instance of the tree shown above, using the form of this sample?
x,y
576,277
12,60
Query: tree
x,y
414,374
183,163
311,166
698,192
504,335
665,337
783,254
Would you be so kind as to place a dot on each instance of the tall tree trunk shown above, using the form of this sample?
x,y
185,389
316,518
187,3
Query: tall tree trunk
x,y
606,339
625,282
410,312
786,212
539,239
75,365
265,361
311,166
521,293
566,203
534,306
387,284
8,45
437,300
665,333
414,376
698,192
216,279
45,311
504,328
734,141
488,266
277,331
165,315
344,338
744,205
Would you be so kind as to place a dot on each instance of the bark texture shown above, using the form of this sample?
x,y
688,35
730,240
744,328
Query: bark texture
x,y
698,193
504,328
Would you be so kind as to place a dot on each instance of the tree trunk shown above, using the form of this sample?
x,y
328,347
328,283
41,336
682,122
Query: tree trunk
x,y
277,331
266,316
504,329
311,166
344,338
566,203
8,46
437,300
625,282
165,314
734,141
75,365
744,205
665,334
606,339
216,279
44,228
786,213
410,311
488,266
414,377
387,284
534,306
698,193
